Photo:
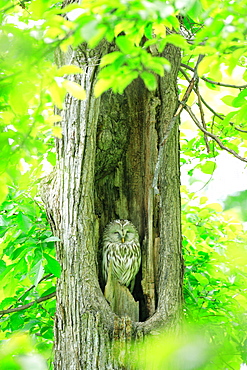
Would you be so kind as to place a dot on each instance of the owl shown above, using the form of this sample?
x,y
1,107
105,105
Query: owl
x,y
121,248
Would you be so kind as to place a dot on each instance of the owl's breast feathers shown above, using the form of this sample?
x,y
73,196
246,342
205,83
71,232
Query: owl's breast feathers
x,y
123,254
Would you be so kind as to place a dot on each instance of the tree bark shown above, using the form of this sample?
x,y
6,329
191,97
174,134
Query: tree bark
x,y
105,169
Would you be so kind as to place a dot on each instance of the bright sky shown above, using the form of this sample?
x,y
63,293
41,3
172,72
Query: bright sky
x,y
230,175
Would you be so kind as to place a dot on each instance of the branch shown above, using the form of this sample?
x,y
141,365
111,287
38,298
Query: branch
x,y
172,122
214,137
219,116
215,82
28,290
181,105
196,90
208,106
25,306
202,117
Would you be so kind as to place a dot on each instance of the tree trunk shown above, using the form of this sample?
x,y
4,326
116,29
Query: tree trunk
x,y
105,170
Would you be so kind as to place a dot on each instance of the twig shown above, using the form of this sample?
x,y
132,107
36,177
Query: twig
x,y
183,101
25,306
214,137
172,122
202,117
215,82
220,117
210,108
28,290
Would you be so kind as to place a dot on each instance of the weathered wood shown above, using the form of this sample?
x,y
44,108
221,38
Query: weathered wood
x,y
120,299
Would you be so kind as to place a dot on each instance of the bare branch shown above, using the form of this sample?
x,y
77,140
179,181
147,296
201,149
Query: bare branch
x,y
215,82
202,118
214,137
25,306
171,124
181,105
196,90
210,108
219,116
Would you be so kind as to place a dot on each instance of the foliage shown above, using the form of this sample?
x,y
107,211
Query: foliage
x,y
237,201
27,256
215,277
31,85
18,354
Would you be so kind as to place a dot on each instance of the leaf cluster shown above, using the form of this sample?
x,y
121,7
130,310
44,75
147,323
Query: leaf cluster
x,y
27,268
215,277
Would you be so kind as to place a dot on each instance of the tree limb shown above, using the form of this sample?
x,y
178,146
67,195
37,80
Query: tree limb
x,y
25,306
215,82
187,93
172,122
219,116
214,137
30,288
196,90
208,106
202,117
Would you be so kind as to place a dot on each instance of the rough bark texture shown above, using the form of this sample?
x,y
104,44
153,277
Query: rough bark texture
x,y
105,169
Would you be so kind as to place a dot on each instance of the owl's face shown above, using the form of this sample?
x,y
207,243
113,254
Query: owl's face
x,y
120,231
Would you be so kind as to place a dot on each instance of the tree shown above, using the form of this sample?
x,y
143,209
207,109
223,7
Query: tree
x,y
118,155
109,168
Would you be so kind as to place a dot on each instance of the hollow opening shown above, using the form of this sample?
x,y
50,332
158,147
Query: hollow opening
x,y
125,160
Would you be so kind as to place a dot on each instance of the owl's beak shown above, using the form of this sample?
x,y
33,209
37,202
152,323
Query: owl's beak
x,y
122,239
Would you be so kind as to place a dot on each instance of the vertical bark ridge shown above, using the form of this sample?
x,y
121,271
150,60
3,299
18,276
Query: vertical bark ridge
x,y
105,170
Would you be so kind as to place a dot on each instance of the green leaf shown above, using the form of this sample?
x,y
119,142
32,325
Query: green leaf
x,y
157,64
3,189
49,291
2,266
38,271
149,80
53,265
177,40
75,89
240,99
228,100
110,58
215,206
201,278
102,85
100,33
24,222
18,102
196,10
58,94
37,8
68,70
205,64
208,167
125,45
51,157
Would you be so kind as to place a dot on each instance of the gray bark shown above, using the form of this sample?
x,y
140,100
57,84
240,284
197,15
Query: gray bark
x,y
105,169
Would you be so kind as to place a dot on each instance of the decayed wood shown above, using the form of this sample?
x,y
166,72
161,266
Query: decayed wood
x,y
120,299
106,161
